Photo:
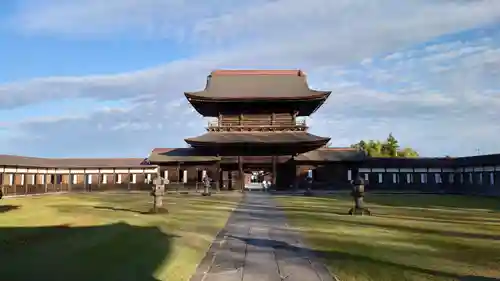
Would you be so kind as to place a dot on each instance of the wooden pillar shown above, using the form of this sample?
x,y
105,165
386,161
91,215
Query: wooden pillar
x,y
25,183
70,180
218,176
178,172
99,179
129,178
221,178
241,176
230,180
297,178
45,176
274,171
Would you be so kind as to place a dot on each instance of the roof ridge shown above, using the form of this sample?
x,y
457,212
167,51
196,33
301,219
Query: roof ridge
x,y
229,72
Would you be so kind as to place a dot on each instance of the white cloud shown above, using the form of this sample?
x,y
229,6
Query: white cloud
x,y
334,41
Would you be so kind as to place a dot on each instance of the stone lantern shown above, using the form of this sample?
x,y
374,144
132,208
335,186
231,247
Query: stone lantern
x,y
207,182
358,194
309,183
158,191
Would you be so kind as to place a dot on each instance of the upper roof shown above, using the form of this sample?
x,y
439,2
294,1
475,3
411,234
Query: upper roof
x,y
23,161
255,86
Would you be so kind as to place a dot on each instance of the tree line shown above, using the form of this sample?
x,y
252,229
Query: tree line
x,y
388,148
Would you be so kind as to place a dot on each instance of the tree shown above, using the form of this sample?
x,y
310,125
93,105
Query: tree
x,y
407,152
389,148
361,145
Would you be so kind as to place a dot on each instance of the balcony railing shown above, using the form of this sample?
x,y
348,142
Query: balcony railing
x,y
215,125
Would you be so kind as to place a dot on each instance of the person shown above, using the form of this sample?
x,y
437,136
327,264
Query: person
x,y
206,181
264,185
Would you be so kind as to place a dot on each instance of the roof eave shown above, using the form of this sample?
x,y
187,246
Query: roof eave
x,y
200,97
197,143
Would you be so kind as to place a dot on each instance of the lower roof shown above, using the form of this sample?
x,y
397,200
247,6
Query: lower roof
x,y
186,155
257,138
332,155
163,155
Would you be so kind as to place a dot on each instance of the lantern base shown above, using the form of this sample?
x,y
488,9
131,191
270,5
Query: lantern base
x,y
205,193
360,211
157,211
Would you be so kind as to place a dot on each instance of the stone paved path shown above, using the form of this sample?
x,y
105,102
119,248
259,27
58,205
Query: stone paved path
x,y
257,245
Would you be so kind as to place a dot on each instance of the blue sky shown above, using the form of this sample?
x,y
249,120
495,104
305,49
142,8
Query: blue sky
x,y
106,78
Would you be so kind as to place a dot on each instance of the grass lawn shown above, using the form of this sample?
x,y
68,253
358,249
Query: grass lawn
x,y
107,237
409,237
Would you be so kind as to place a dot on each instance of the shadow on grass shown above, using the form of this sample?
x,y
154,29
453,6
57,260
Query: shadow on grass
x,y
374,266
429,201
364,262
478,278
110,252
433,201
418,230
149,212
368,263
8,208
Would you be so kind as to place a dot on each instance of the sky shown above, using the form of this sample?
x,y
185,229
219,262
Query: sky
x,y
93,78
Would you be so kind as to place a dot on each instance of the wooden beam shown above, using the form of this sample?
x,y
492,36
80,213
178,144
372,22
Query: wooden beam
x,y
274,170
240,173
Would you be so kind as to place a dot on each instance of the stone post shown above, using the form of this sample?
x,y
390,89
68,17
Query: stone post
x,y
158,192
309,184
206,184
358,194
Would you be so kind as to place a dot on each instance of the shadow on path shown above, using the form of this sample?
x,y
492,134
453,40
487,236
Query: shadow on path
x,y
271,243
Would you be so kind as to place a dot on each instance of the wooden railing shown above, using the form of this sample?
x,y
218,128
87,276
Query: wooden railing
x,y
253,125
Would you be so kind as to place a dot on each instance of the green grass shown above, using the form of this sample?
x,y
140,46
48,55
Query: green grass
x,y
107,237
409,237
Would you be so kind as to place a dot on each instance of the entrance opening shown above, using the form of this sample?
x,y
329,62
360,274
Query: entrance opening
x,y
199,175
182,175
257,177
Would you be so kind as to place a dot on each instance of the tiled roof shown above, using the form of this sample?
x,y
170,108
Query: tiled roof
x,y
257,84
257,137
15,160
162,155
